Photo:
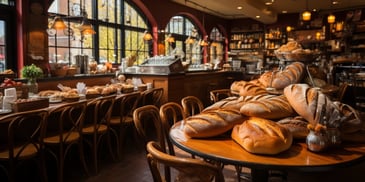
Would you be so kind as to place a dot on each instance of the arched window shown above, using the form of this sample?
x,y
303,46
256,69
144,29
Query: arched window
x,y
119,28
186,38
216,51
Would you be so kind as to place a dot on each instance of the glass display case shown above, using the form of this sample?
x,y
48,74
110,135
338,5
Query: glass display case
x,y
162,65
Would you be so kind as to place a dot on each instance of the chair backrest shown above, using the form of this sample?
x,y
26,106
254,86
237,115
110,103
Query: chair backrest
x,y
125,104
217,95
170,113
152,96
99,110
192,169
22,132
66,119
143,117
192,105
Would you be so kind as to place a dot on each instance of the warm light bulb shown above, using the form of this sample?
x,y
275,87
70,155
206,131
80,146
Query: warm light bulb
x,y
288,28
306,16
331,18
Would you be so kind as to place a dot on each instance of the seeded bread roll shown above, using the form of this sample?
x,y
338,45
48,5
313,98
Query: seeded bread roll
x,y
271,107
261,136
211,123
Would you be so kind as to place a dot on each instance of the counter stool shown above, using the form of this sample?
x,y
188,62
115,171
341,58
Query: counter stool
x,y
21,139
97,125
122,118
64,131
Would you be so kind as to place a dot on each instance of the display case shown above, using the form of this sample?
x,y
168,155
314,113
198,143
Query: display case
x,y
162,65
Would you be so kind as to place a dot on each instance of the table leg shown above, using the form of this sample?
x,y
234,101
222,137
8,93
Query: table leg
x,y
259,175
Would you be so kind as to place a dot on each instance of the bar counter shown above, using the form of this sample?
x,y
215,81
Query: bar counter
x,y
175,85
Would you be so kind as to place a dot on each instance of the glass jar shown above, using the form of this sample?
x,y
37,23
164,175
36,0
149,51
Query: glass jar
x,y
316,141
334,136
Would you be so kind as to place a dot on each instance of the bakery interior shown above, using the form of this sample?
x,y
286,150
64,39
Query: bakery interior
x,y
295,68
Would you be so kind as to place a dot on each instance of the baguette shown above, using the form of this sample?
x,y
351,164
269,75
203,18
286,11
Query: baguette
x,y
211,123
268,107
292,73
244,88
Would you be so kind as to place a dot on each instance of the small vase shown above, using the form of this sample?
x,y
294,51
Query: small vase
x,y
32,86
316,141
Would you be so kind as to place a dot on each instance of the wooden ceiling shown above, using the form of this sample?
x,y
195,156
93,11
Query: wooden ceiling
x,y
267,13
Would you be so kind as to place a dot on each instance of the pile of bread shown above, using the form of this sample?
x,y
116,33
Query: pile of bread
x,y
267,124
108,89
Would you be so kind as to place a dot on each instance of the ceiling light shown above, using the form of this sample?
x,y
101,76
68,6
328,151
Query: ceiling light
x,y
239,7
331,18
284,11
257,16
58,23
306,15
268,3
335,2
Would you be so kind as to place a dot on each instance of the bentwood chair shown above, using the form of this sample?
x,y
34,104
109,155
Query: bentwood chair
x,y
152,97
219,94
97,126
143,118
122,116
192,105
21,140
170,113
190,170
63,132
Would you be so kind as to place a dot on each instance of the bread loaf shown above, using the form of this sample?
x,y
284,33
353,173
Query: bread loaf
x,y
350,120
296,125
233,103
292,73
261,136
244,88
304,100
211,123
271,107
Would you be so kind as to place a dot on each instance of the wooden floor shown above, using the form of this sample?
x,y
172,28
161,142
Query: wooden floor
x,y
134,168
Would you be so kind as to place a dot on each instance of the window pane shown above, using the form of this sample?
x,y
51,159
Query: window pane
x,y
107,11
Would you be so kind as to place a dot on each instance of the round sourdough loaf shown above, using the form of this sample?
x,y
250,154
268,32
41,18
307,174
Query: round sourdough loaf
x,y
262,136
212,123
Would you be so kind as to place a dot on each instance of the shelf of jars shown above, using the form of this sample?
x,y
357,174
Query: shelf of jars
x,y
247,40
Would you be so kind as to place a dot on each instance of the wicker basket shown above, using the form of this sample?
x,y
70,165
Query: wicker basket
x,y
59,72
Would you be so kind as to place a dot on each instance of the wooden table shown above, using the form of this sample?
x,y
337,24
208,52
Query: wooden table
x,y
224,149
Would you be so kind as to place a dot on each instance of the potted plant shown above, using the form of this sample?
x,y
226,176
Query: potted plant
x,y
32,73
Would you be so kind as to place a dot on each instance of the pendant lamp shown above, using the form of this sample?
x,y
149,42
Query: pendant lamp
x,y
306,15
331,18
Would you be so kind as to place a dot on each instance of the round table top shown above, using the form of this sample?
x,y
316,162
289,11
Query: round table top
x,y
297,157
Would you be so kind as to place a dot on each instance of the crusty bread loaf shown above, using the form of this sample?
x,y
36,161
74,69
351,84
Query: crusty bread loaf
x,y
292,73
245,88
304,101
46,93
350,120
261,136
233,103
273,107
296,125
211,123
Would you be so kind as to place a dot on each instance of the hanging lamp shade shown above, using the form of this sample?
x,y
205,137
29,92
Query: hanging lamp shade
x,y
58,23
170,39
331,18
86,28
147,36
306,15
